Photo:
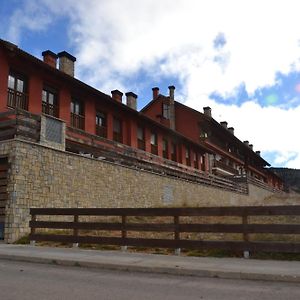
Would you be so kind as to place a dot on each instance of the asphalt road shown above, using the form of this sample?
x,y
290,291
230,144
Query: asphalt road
x,y
40,281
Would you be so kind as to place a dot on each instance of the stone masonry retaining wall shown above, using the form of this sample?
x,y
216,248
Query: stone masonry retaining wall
x,y
44,177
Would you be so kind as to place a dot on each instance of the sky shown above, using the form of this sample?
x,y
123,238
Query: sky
x,y
240,57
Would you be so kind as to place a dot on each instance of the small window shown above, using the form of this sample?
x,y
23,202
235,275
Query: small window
x,y
196,162
101,124
117,130
49,102
77,114
17,91
153,141
141,138
165,148
173,152
188,156
166,111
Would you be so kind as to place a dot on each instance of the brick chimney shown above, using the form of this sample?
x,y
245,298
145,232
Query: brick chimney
x,y
155,92
251,146
246,143
224,124
172,106
207,111
231,130
50,58
66,63
117,95
257,152
131,100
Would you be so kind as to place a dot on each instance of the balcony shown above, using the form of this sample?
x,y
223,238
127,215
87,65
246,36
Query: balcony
x,y
221,168
50,109
17,99
101,131
77,121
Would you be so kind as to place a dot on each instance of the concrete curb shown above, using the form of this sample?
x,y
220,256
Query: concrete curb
x,y
171,270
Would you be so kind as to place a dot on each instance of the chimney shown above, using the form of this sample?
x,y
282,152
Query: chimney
x,y
50,58
224,124
231,130
131,100
207,111
117,95
171,91
66,63
155,92
251,147
257,152
172,106
246,143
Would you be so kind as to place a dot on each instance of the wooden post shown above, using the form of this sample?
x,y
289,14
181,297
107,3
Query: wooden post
x,y
75,231
245,236
124,233
177,234
32,230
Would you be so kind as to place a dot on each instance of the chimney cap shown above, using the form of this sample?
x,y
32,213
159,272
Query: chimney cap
x,y
50,53
171,87
224,123
117,92
155,88
67,55
128,94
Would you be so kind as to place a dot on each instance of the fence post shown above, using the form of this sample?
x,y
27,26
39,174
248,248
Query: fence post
x,y
177,234
32,229
124,233
75,231
245,236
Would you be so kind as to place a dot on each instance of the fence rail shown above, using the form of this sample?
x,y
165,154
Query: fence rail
x,y
19,123
177,227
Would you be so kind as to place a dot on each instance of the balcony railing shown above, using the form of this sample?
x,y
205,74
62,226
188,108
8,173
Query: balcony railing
x,y
141,144
101,131
77,121
50,109
154,149
17,99
221,165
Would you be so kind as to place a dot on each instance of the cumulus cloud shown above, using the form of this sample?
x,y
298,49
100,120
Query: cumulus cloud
x,y
211,46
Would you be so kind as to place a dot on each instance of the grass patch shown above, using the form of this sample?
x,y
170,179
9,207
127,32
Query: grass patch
x,y
23,240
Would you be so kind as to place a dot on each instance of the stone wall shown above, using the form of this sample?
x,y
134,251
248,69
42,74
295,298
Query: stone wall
x,y
45,177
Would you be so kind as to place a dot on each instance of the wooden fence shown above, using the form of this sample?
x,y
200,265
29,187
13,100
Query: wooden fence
x,y
18,123
179,225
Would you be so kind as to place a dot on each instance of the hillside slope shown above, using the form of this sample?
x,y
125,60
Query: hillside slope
x,y
291,178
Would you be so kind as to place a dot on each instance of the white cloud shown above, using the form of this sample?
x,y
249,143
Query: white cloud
x,y
115,39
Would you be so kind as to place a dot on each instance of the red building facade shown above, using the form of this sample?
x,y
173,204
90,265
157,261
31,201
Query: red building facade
x,y
170,132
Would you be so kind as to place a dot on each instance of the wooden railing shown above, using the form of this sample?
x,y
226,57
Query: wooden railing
x,y
19,123
17,99
225,167
50,109
175,221
77,121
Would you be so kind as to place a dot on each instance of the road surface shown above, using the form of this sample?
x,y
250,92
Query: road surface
x,y
24,281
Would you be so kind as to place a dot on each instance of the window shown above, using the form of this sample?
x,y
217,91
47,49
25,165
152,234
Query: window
x,y
165,148
141,138
153,142
187,156
196,164
166,111
77,114
117,130
17,91
101,124
49,102
173,152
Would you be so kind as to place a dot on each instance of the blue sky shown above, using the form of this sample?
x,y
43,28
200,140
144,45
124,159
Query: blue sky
x,y
244,62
